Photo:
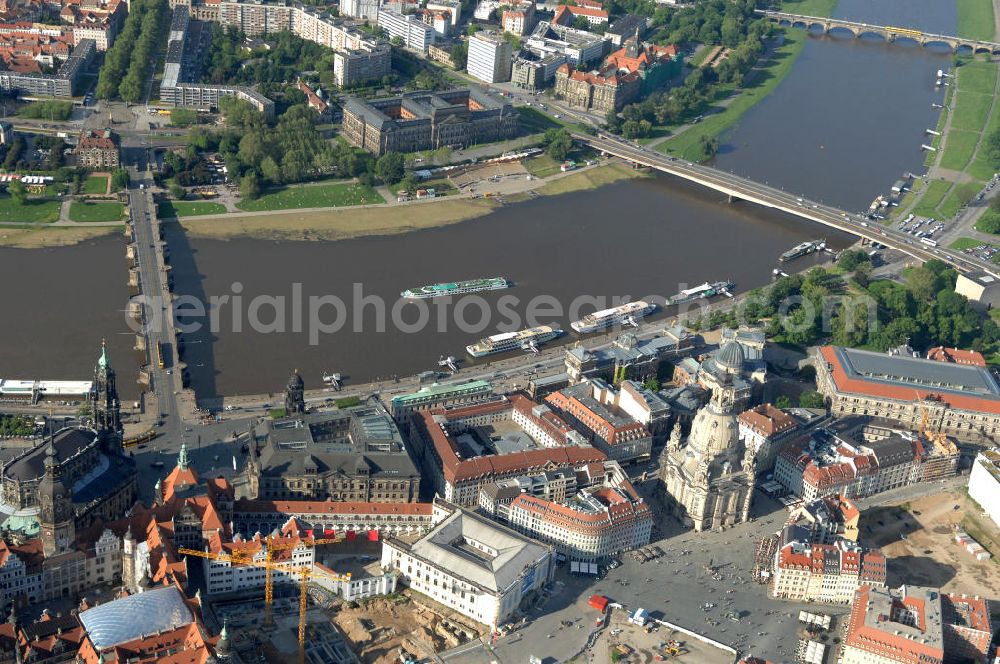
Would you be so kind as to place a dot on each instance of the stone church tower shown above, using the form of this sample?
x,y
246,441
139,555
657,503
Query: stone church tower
x,y
105,409
295,395
55,508
709,481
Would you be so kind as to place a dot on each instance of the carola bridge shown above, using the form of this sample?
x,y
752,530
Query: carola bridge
x,y
890,33
737,187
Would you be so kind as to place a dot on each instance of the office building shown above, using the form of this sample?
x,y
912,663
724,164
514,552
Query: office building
x,y
489,57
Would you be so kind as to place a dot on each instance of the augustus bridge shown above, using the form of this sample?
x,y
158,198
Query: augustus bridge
x,y
888,32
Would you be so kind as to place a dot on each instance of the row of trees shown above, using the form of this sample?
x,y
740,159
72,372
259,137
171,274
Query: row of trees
x,y
881,314
258,155
127,62
288,54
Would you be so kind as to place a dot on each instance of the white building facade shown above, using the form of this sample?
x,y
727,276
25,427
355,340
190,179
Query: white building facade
x,y
984,483
472,565
490,57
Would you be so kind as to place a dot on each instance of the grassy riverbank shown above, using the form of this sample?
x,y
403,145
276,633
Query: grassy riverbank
x,y
975,19
688,144
388,220
590,179
338,224
961,166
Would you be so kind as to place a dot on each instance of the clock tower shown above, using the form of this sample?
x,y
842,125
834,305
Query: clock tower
x,y
56,508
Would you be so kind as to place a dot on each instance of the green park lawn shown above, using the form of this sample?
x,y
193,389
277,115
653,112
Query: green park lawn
x,y
34,211
313,196
975,19
95,184
84,212
958,149
812,7
168,209
933,195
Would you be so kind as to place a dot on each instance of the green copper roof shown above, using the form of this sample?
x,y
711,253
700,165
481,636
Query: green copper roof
x,y
102,361
438,391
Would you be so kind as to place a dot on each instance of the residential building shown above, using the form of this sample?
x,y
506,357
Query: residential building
x,y
484,9
970,357
99,21
617,422
207,95
916,624
362,57
53,637
578,46
828,519
202,10
489,57
64,83
97,149
370,62
438,19
534,73
805,571
519,19
628,356
453,7
463,448
763,428
984,483
567,14
472,565
958,400
365,9
424,121
356,454
822,464
599,520
939,454
414,33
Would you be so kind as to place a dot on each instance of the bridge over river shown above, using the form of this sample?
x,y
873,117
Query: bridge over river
x,y
737,187
890,33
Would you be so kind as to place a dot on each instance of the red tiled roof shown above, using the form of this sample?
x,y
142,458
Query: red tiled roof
x,y
971,357
767,420
898,393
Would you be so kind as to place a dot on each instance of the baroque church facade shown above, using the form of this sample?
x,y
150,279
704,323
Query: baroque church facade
x,y
709,478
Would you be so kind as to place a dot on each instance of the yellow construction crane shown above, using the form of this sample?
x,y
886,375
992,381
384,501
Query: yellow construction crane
x,y
273,544
303,572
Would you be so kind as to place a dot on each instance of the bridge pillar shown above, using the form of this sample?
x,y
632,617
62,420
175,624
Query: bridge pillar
x,y
732,199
